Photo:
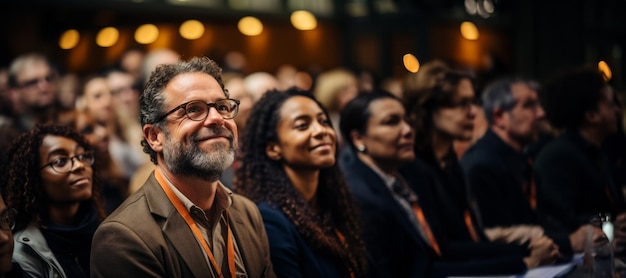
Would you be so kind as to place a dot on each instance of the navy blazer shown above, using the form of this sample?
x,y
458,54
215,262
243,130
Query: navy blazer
x,y
394,243
291,255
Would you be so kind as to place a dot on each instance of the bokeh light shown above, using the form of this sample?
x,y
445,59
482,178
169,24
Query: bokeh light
x,y
69,39
191,29
107,37
303,20
250,26
410,62
604,68
146,34
469,31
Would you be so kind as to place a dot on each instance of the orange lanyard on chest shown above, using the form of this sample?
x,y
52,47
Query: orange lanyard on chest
x,y
178,204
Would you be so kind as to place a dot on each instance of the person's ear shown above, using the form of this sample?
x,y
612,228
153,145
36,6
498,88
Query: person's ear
x,y
273,151
358,140
154,137
500,117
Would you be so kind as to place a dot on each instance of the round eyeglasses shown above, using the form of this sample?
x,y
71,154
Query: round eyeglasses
x,y
198,110
65,164
7,219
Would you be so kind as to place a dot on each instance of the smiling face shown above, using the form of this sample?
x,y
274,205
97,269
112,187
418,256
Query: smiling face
x,y
64,188
456,120
306,138
388,137
202,149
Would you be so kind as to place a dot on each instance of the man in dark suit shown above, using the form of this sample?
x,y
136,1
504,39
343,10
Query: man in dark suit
x,y
183,222
498,170
573,174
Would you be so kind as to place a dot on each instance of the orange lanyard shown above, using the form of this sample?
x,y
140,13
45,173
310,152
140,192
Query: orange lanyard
x,y
178,204
342,239
429,234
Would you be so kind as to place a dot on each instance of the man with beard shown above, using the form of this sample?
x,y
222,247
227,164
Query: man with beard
x,y
499,171
183,222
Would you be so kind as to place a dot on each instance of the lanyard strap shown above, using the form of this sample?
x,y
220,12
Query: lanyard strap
x,y
342,239
429,234
178,204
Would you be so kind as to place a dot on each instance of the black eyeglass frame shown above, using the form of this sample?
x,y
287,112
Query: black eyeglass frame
x,y
208,104
89,153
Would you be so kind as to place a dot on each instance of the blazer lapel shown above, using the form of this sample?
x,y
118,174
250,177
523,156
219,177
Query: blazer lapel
x,y
378,187
176,229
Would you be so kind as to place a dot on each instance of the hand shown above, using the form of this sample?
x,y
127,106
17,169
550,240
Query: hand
x,y
619,232
578,239
543,251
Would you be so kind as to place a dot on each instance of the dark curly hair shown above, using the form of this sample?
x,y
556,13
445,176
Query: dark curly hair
x,y
263,179
422,103
152,100
570,94
21,178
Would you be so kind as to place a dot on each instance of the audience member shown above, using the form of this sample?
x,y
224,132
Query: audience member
x,y
572,173
498,170
32,85
114,184
183,222
131,61
289,169
234,83
258,83
68,90
154,58
441,114
335,88
411,243
50,181
8,268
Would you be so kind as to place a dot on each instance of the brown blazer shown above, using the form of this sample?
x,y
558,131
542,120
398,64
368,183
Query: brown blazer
x,y
147,237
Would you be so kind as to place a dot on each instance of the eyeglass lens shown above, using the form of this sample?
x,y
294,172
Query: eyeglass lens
x,y
198,110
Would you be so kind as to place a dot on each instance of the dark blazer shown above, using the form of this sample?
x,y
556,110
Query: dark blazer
x,y
394,243
147,237
574,182
291,255
496,174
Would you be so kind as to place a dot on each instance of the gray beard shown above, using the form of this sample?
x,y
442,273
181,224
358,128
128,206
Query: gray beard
x,y
189,160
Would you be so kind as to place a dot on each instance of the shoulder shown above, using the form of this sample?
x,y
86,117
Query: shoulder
x,y
563,149
31,252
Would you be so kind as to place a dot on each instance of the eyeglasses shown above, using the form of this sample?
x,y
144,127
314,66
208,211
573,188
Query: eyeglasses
x,y
65,164
7,219
33,82
464,103
198,110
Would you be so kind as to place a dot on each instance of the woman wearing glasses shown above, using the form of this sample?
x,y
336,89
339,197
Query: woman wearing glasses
x,y
289,169
49,181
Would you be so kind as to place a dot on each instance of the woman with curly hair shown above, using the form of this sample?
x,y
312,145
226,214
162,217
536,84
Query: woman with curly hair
x,y
288,155
50,182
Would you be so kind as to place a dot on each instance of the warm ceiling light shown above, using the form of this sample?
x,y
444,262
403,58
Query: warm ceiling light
x,y
250,26
107,37
191,29
469,31
147,34
604,68
69,39
410,63
303,20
